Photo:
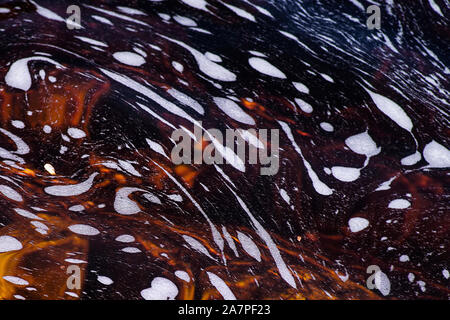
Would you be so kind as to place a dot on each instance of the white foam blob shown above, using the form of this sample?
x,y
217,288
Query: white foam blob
x,y
327,126
47,129
221,286
392,110
18,124
301,87
125,238
129,58
327,77
305,106
436,155
161,289
18,75
76,133
411,159
186,100
8,244
345,174
213,57
404,258
363,144
285,196
263,66
84,229
131,250
27,214
399,204
16,280
183,275
196,245
249,246
185,21
382,283
198,4
102,20
105,280
72,189
357,224
232,109
10,193
4,10
177,66
131,11
240,12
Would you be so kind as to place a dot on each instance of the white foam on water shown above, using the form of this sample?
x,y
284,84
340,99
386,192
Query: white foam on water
x,y
318,185
160,289
164,16
84,229
305,106
230,241
178,66
27,214
186,100
386,185
18,75
197,4
8,243
412,159
205,65
392,110
232,109
327,77
362,143
357,224
249,246
221,286
326,126
445,273
399,204
72,189
16,280
129,58
128,167
18,124
10,193
102,20
140,51
265,67
117,15
285,196
125,238
285,273
72,294
411,277
123,204
76,133
105,280
47,129
4,10
185,21
435,7
345,174
131,250
213,57
131,11
301,87
403,258
183,275
74,261
46,13
436,155
240,12
156,147
382,283
257,53
92,41
196,245
136,86
22,147
76,208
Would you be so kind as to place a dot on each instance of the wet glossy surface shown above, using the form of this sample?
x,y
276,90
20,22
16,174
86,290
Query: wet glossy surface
x,y
86,179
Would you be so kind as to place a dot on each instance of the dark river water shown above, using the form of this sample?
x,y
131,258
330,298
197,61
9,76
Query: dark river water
x,y
93,206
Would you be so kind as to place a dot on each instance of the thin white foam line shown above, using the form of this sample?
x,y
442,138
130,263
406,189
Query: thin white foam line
x,y
264,235
216,234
